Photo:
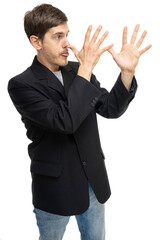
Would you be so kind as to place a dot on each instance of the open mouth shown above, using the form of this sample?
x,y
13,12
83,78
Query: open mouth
x,y
66,54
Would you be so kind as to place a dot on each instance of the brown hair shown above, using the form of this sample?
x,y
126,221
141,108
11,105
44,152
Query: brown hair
x,y
38,21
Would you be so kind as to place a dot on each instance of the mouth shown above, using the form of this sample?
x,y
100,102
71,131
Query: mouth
x,y
65,54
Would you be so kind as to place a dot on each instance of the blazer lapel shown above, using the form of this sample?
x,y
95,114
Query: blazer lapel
x,y
43,73
54,83
68,76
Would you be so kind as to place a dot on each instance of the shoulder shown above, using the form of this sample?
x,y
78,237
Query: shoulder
x,y
20,79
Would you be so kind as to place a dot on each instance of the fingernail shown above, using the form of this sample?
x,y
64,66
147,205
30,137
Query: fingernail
x,y
100,27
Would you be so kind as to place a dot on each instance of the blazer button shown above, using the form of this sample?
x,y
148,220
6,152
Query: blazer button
x,y
84,163
96,98
92,104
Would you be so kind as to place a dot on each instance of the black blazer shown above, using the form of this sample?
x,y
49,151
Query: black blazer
x,y
61,122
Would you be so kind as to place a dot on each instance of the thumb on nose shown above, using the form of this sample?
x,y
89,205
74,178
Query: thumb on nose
x,y
74,49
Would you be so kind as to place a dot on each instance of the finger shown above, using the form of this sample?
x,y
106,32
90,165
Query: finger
x,y
145,49
95,35
74,49
124,37
112,52
141,39
107,48
87,35
102,39
134,35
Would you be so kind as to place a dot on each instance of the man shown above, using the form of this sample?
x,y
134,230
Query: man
x,y
58,101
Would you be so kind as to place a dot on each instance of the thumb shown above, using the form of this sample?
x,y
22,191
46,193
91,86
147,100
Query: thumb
x,y
112,52
74,50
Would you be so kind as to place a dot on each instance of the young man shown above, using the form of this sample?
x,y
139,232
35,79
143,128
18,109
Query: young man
x,y
58,101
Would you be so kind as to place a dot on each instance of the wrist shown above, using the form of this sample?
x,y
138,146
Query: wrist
x,y
85,72
128,71
126,77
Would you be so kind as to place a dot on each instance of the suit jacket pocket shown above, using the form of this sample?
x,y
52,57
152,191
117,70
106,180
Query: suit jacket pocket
x,y
46,168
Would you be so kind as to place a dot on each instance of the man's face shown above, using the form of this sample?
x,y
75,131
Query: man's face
x,y
54,52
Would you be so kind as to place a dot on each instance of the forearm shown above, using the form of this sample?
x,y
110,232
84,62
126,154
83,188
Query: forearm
x,y
114,103
127,77
62,116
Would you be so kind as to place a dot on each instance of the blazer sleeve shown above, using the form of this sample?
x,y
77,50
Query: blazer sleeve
x,y
114,103
64,116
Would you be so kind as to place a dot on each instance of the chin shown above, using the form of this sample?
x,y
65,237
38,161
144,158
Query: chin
x,y
64,63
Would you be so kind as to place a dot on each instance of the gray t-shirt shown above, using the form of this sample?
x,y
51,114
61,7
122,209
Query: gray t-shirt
x,y
58,74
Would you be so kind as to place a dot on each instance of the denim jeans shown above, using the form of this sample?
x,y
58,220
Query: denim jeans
x,y
91,223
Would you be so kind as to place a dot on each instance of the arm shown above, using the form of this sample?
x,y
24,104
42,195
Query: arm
x,y
127,59
63,116
114,103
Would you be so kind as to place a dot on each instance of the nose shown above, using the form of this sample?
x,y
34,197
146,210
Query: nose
x,y
66,43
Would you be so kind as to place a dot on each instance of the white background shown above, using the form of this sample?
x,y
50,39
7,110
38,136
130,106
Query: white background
x,y
130,143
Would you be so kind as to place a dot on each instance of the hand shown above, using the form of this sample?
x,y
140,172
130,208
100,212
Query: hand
x,y
90,52
129,55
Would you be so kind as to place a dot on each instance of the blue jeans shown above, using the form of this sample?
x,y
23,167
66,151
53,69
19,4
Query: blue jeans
x,y
91,223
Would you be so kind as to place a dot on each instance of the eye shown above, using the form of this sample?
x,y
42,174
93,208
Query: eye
x,y
58,37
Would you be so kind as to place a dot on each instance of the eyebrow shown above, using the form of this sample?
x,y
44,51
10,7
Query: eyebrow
x,y
59,33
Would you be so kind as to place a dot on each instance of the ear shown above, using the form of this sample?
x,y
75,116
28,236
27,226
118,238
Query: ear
x,y
36,42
